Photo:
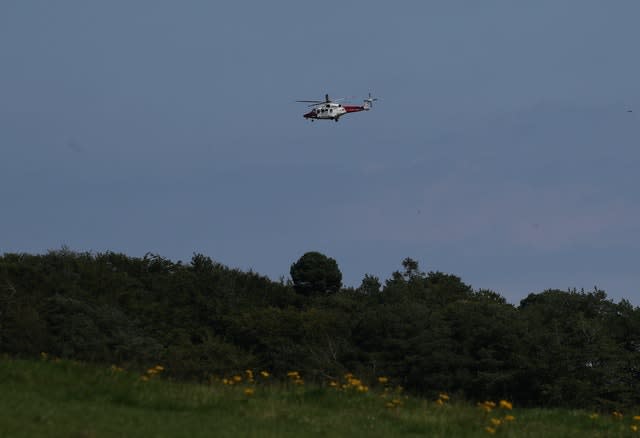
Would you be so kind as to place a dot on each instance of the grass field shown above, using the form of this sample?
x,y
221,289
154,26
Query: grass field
x,y
68,399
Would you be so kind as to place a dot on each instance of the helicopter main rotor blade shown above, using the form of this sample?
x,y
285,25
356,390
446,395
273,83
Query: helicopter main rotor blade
x,y
326,100
313,102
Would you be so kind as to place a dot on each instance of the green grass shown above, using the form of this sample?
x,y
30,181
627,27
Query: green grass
x,y
69,399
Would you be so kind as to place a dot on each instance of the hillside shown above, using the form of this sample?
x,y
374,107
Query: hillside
x,y
428,332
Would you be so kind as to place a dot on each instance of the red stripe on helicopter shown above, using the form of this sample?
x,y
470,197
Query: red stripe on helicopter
x,y
352,108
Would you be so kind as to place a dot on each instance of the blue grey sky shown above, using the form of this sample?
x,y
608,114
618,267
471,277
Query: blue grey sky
x,y
502,149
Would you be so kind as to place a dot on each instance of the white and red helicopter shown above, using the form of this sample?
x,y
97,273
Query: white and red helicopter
x,y
328,109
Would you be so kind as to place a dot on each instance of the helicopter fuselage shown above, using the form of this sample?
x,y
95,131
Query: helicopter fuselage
x,y
332,111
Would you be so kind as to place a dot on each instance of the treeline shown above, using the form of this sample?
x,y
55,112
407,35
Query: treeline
x,y
428,332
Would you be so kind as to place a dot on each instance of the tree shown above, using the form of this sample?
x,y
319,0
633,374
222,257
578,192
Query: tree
x,y
575,356
411,269
370,285
316,273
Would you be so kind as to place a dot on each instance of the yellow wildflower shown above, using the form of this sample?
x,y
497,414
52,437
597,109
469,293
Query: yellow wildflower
x,y
444,396
159,368
293,374
333,384
506,405
439,402
617,415
264,374
496,421
249,391
237,378
636,418
487,405
634,428
355,382
490,430
509,418
383,379
362,388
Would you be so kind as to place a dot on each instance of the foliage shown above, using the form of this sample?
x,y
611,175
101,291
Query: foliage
x,y
370,285
316,273
428,332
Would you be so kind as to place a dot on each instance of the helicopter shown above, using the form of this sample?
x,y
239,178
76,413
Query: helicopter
x,y
328,109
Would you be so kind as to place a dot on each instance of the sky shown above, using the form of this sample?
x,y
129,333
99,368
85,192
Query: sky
x,y
503,148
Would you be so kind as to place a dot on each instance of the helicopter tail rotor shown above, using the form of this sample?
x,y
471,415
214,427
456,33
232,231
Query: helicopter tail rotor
x,y
368,102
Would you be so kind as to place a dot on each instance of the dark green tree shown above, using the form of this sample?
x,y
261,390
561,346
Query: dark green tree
x,y
574,343
316,273
411,269
370,285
